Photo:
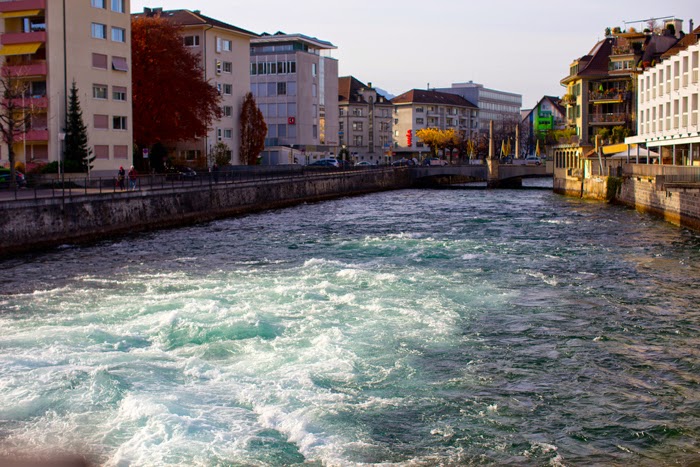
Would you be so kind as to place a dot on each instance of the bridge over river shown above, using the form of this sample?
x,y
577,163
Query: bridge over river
x,y
497,175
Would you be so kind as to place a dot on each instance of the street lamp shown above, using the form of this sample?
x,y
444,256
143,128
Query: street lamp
x,y
61,155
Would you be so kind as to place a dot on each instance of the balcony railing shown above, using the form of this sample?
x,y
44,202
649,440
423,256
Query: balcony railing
x,y
608,118
21,5
35,135
607,95
38,68
23,37
36,102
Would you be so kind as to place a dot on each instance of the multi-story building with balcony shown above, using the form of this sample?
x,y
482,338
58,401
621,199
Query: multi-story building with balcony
x,y
601,85
418,109
295,83
50,45
668,109
501,107
224,51
365,121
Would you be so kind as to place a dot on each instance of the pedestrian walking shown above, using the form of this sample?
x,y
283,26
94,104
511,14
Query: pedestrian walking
x,y
133,175
121,175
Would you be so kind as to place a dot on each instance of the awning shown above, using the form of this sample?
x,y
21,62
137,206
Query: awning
x,y
119,64
20,14
614,148
20,49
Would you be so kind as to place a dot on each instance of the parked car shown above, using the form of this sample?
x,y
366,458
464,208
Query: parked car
x,y
532,159
180,172
363,164
434,161
325,163
5,178
400,163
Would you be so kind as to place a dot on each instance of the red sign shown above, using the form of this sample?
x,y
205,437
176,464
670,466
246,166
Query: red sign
x,y
292,121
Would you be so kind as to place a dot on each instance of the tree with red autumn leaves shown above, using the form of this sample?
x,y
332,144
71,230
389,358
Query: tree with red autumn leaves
x,y
172,101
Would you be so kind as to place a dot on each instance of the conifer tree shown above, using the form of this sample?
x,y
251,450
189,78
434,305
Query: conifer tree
x,y
77,155
253,131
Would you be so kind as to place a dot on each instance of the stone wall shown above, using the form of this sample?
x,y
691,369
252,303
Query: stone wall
x,y
678,203
46,222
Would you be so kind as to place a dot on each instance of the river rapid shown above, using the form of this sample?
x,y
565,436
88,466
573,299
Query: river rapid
x,y
412,327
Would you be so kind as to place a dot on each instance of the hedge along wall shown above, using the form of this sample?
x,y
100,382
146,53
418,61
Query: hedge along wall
x,y
42,223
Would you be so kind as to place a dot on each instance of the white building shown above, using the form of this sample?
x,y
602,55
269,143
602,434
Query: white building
x,y
667,115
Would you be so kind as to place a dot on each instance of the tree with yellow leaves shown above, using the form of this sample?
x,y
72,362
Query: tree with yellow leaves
x,y
436,139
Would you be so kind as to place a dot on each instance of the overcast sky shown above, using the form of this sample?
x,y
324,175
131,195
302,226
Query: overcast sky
x,y
512,45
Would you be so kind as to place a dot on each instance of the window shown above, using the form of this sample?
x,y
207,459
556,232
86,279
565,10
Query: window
x,y
101,151
100,122
118,6
314,91
228,67
281,88
420,121
291,88
121,152
119,123
99,91
357,140
228,133
228,89
357,126
223,44
119,64
191,41
99,31
119,93
314,131
99,61
98,3
419,109
118,34
227,110
313,69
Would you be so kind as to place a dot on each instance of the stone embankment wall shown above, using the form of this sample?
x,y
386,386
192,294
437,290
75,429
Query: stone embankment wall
x,y
46,222
678,203
660,191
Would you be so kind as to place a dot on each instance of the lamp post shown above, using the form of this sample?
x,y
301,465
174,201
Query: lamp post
x,y
61,156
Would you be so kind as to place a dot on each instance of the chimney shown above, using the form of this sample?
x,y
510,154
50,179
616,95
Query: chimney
x,y
369,85
197,12
147,11
691,25
158,11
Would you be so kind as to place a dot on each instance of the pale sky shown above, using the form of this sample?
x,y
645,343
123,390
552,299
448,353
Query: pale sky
x,y
519,46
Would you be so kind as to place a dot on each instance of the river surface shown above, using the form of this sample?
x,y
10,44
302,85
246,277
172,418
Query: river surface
x,y
413,327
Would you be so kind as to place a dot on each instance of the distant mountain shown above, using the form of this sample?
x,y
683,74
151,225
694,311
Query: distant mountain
x,y
384,93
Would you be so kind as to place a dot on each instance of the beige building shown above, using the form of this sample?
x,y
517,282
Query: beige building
x,y
418,108
295,83
668,115
365,121
225,60
50,44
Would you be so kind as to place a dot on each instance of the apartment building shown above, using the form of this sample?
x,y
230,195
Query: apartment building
x,y
601,85
294,80
501,107
50,45
365,121
668,115
224,51
418,108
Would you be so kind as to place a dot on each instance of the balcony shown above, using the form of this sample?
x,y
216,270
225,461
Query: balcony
x,y
608,118
607,96
23,38
29,102
21,5
34,136
24,70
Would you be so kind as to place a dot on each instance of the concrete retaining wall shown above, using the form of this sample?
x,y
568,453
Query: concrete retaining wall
x,y
676,203
46,222
590,188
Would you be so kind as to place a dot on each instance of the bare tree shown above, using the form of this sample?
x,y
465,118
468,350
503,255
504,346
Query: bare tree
x,y
15,113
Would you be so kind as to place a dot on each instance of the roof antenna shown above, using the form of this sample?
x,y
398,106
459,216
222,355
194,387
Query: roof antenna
x,y
428,88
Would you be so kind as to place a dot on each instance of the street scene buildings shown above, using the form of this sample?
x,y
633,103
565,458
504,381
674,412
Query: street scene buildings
x,y
48,48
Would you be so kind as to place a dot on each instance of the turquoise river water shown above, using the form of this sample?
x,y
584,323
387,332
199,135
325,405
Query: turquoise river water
x,y
412,328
